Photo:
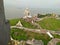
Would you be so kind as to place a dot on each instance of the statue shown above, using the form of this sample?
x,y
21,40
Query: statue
x,y
27,12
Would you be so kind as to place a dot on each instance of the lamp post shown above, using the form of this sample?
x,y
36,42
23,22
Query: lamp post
x,y
4,26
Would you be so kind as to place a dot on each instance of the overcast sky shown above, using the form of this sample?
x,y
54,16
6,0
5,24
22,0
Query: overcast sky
x,y
33,3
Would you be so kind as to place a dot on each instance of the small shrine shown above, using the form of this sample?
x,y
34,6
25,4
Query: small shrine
x,y
19,24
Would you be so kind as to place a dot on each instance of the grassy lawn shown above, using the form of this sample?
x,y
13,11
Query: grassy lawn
x,y
13,22
24,23
56,36
19,34
27,24
50,24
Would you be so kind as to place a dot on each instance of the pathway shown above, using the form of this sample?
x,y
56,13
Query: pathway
x,y
36,30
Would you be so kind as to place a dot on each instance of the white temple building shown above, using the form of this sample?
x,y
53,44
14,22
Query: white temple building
x,y
19,24
27,13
